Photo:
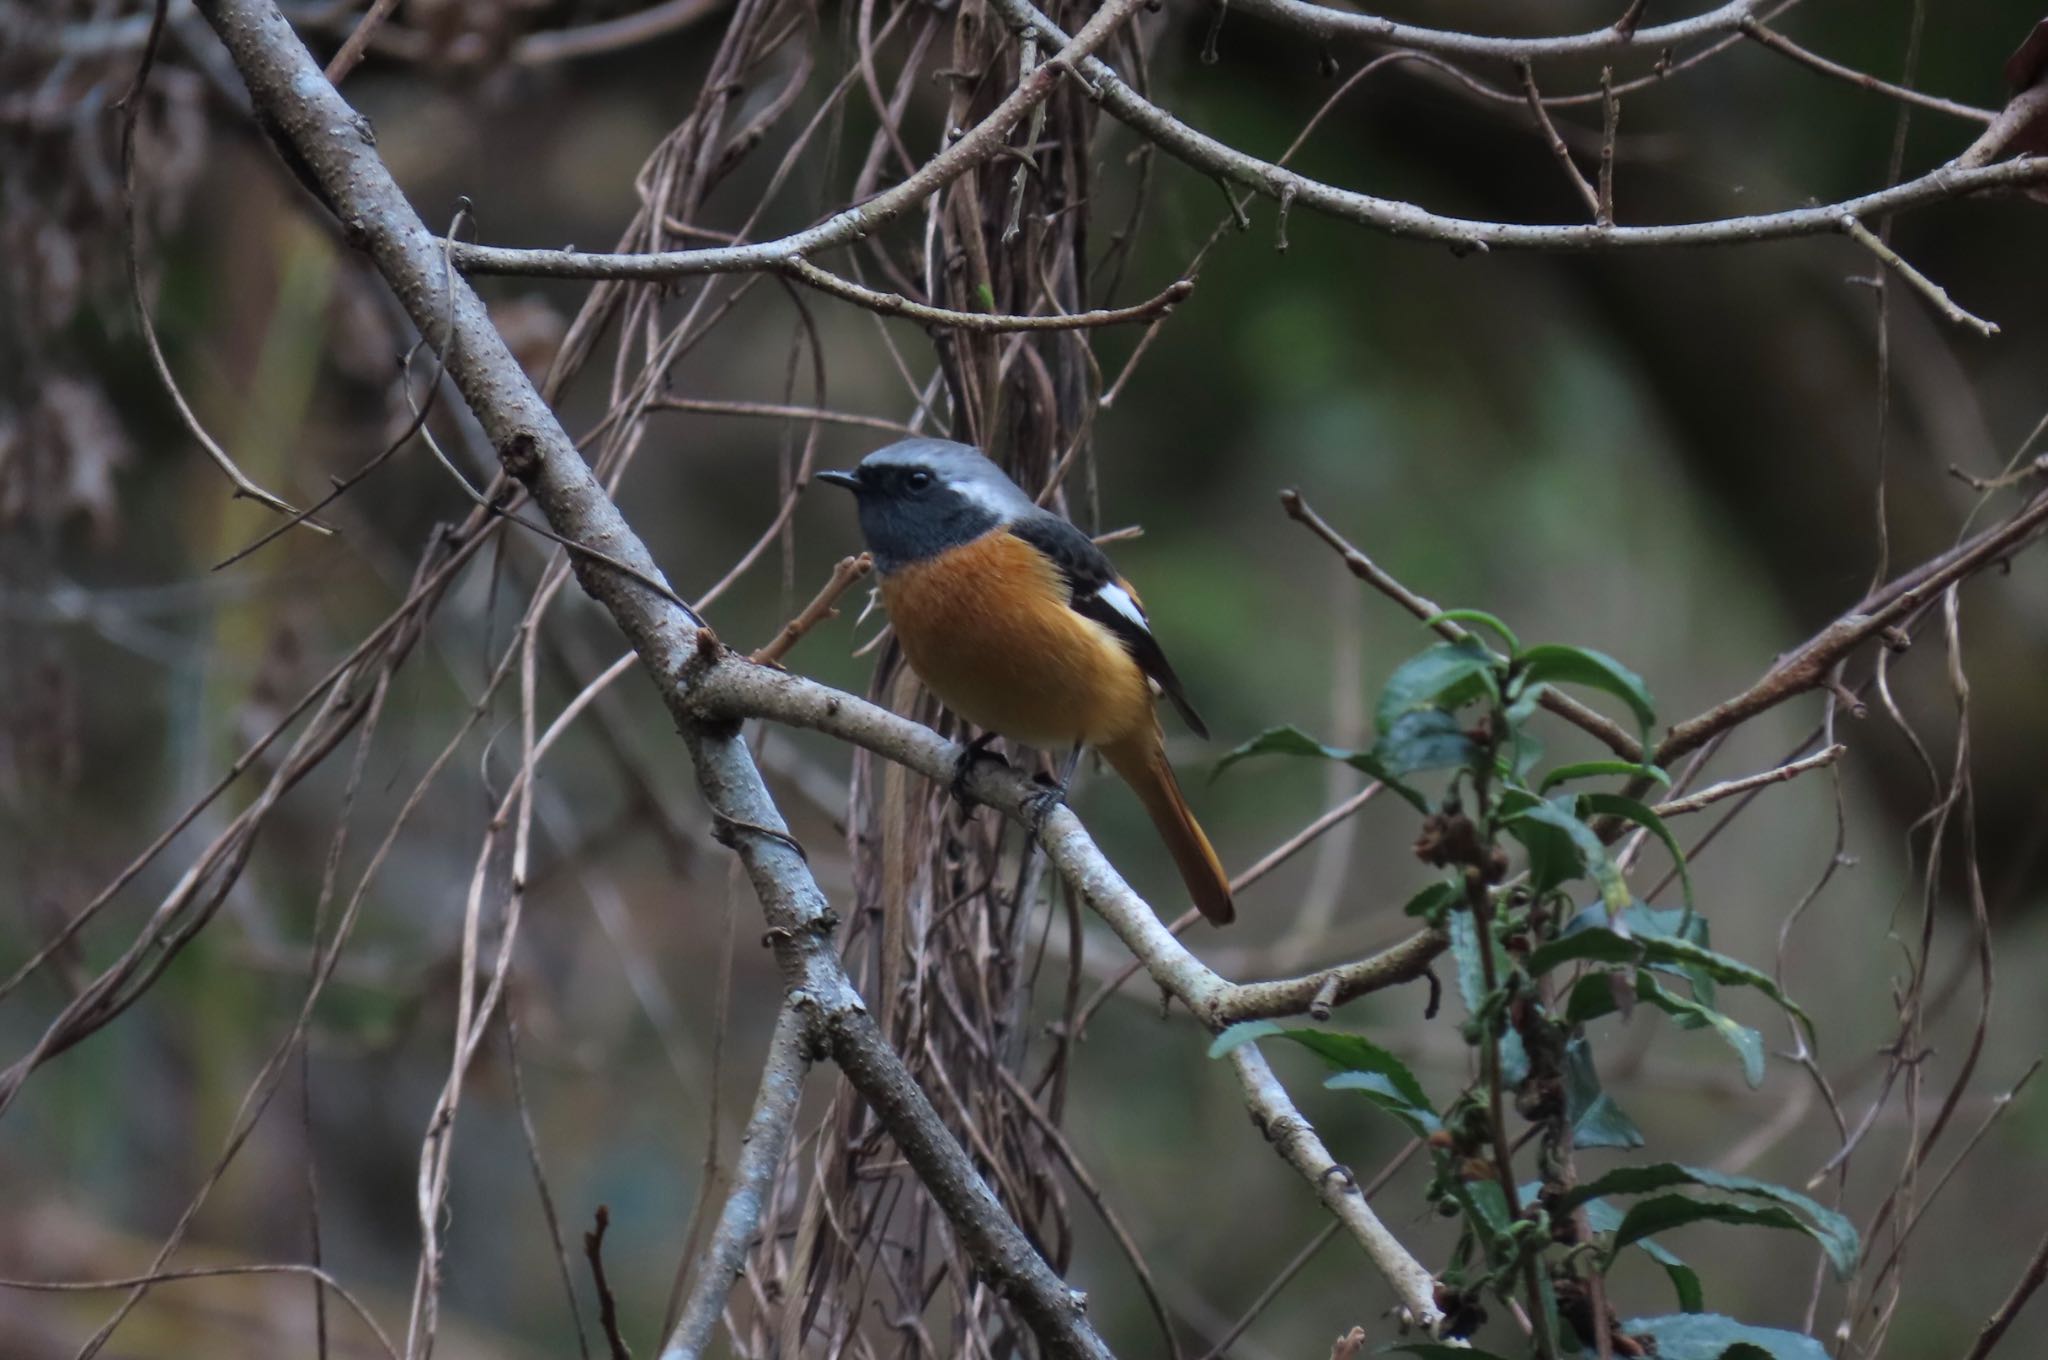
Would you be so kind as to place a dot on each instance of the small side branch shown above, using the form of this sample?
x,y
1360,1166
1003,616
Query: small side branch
x,y
895,304
1753,28
1730,788
1926,287
1325,23
2029,1282
1608,732
1559,152
607,1302
739,1223
823,606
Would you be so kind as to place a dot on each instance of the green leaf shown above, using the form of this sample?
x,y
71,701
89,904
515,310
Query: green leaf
x,y
1528,751
1590,854
1381,1090
1442,677
1608,945
1641,921
1280,741
1557,664
1292,741
986,296
1471,967
1685,955
1599,944
1593,769
1426,739
1480,617
1660,1213
1628,809
1554,857
1432,901
1489,1205
1514,1058
1523,706
1353,1055
1709,1336
1747,1043
1827,1227
1592,996
1597,1122
1603,1217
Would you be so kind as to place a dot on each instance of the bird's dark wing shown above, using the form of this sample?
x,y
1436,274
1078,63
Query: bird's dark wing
x,y
1096,592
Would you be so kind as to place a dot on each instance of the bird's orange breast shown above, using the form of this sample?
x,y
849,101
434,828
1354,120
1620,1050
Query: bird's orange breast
x,y
988,629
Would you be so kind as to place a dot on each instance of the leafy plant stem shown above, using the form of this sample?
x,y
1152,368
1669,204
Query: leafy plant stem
x,y
1480,901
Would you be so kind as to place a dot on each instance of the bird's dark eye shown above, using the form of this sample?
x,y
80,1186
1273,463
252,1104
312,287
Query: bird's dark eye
x,y
918,480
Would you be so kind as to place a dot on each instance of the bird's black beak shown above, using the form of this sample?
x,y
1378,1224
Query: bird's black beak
x,y
849,480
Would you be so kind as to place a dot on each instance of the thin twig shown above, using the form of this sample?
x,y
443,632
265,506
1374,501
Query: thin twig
x,y
1610,127
211,1273
1559,152
775,411
1927,287
1608,732
850,572
131,113
2023,1289
1730,788
1324,24
894,304
1753,28
607,1305
358,41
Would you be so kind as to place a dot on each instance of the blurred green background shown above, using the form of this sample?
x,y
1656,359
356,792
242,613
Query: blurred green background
x,y
1669,456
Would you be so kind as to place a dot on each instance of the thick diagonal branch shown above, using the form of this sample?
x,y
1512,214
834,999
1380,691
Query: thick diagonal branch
x,y
319,130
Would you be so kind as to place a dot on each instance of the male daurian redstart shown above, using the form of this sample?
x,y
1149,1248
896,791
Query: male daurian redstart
x,y
1020,625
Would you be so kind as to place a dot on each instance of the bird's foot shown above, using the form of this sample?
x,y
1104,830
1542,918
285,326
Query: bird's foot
x,y
963,769
1052,792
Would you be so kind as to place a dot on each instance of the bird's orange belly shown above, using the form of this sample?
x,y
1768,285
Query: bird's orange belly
x,y
987,627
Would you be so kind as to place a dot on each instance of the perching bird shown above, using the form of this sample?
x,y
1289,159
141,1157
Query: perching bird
x,y
1019,623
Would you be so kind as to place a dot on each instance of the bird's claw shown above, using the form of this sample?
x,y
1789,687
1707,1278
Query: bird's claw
x,y
1040,805
963,769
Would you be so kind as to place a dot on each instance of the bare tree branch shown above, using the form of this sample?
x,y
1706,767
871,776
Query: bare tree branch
x,y
1807,666
739,1223
311,120
1324,24
970,149
1218,159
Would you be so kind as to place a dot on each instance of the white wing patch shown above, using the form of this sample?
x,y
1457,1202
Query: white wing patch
x,y
1119,599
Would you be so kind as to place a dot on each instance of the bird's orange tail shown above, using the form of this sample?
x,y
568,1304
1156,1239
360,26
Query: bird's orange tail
x,y
1141,760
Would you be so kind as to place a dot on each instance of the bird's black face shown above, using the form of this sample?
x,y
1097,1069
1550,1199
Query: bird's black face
x,y
908,512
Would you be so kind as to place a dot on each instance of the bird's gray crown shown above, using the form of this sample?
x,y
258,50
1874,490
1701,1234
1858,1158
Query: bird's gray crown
x,y
920,497
962,467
